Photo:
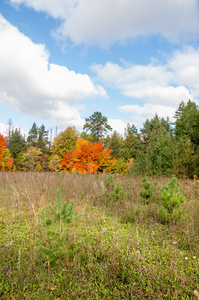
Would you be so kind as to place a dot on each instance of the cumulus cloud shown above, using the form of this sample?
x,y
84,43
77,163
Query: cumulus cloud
x,y
105,22
139,114
118,125
29,84
185,67
160,87
152,84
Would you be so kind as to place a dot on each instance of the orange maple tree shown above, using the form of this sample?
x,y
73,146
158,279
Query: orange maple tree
x,y
2,145
88,157
6,162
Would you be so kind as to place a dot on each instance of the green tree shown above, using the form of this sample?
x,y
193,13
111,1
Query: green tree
x,y
38,137
154,125
185,158
65,141
43,141
17,143
84,135
187,122
115,143
132,142
97,125
32,140
166,155
157,157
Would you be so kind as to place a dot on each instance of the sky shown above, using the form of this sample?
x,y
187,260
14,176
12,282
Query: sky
x,y
63,60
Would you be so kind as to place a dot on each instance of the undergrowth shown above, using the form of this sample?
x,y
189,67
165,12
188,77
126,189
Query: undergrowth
x,y
119,249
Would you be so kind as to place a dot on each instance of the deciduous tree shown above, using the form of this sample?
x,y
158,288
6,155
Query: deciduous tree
x,y
6,161
88,157
31,159
65,141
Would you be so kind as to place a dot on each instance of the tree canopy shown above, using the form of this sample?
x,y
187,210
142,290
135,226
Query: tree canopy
x,y
159,148
97,125
65,141
187,122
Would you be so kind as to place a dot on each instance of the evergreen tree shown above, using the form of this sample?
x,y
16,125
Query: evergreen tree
x,y
132,141
97,125
187,122
43,141
158,155
154,125
32,139
17,143
115,143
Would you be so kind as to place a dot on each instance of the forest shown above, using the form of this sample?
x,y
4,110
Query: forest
x,y
160,148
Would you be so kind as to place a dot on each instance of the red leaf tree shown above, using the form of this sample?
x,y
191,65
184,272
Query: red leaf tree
x,y
88,157
6,161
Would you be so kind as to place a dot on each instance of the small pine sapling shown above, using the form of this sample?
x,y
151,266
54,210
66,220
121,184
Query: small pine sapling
x,y
171,201
118,193
57,224
147,193
113,192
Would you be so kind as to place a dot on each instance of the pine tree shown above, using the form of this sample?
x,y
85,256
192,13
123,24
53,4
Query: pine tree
x,y
187,122
43,141
132,142
97,125
154,125
32,139
17,143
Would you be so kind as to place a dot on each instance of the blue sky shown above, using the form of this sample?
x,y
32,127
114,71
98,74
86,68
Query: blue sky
x,y
62,60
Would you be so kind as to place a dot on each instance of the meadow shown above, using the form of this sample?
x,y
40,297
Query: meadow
x,y
128,243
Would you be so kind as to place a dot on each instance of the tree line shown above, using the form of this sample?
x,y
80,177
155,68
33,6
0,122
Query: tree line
x,y
161,148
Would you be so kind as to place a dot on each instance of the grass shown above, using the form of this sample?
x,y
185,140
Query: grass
x,y
119,249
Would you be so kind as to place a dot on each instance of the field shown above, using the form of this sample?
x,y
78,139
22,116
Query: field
x,y
122,247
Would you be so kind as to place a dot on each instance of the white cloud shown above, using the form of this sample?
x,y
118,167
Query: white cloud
x,y
152,84
4,129
160,87
117,125
185,66
56,9
139,114
105,22
29,84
